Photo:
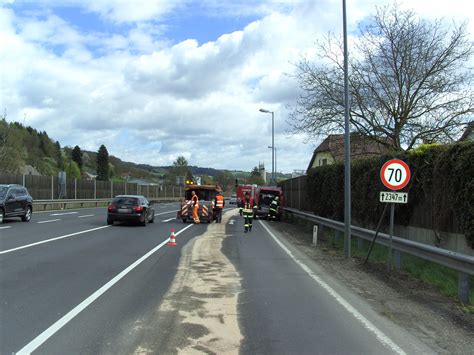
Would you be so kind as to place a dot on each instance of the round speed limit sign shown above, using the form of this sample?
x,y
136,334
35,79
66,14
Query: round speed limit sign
x,y
395,174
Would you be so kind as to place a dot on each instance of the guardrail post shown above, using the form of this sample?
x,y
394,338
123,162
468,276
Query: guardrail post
x,y
95,189
23,180
111,189
397,259
315,234
463,287
75,189
52,188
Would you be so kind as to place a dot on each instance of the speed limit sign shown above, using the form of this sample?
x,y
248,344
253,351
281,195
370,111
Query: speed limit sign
x,y
395,174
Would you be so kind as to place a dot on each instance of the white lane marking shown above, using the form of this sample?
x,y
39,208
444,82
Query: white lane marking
x,y
384,339
63,213
48,333
86,215
159,214
167,220
6,227
51,240
71,209
49,221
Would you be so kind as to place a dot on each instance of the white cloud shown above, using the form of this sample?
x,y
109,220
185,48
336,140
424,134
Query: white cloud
x,y
131,11
150,100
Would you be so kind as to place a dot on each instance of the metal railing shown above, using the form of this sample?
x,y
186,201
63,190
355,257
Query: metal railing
x,y
463,264
63,203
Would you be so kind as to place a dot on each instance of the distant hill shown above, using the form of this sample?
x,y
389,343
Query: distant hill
x,y
23,145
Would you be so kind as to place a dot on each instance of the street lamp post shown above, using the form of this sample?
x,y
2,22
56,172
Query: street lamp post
x,y
276,169
273,142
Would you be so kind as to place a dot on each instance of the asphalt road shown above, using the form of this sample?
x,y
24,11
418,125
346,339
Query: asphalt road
x,y
71,284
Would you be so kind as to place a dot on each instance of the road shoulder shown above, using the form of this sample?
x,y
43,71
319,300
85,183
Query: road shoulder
x,y
410,304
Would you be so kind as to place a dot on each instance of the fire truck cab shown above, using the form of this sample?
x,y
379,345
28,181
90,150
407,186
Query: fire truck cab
x,y
206,195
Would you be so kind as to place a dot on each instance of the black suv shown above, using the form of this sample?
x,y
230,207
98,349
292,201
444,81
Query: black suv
x,y
15,201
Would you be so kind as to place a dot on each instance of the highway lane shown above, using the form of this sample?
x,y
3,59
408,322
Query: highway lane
x,y
101,292
290,306
39,284
51,224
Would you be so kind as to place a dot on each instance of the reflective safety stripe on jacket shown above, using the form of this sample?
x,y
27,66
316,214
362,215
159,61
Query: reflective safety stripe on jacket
x,y
274,205
219,201
248,206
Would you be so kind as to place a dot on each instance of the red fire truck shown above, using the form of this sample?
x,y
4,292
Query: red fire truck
x,y
263,197
242,190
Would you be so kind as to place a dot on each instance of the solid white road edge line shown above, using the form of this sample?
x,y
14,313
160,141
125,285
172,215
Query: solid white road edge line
x,y
6,227
49,221
384,339
51,240
48,333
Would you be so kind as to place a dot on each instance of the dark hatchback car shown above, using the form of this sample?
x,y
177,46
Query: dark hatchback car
x,y
15,201
130,208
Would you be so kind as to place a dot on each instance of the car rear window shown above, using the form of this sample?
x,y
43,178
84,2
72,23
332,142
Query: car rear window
x,y
129,201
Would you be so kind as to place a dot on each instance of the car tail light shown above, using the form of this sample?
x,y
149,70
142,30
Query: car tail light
x,y
111,208
138,208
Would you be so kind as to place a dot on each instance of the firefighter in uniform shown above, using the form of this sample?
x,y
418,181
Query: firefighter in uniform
x,y
273,210
195,206
248,207
219,204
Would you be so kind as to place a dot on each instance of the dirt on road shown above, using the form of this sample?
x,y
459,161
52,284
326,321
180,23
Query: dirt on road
x,y
199,311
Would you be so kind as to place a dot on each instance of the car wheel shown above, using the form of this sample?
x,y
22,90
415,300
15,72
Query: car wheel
x,y
152,220
2,216
110,221
27,216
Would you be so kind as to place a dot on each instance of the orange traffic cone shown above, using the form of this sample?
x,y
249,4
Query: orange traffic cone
x,y
172,241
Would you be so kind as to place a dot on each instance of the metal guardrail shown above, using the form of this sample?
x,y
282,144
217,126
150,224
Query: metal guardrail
x,y
64,202
462,263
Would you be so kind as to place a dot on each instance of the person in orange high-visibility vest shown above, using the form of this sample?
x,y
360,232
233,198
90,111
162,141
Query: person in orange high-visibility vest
x,y
219,204
195,206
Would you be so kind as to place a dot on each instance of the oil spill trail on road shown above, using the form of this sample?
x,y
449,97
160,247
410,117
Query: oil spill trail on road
x,y
199,311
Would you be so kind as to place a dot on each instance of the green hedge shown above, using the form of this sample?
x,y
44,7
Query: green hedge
x,y
441,189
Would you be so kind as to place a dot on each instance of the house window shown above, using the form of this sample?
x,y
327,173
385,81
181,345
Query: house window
x,y
324,162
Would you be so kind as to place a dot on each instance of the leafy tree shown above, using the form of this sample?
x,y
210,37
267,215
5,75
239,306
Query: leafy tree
x,y
409,81
225,179
76,155
12,151
59,156
72,170
256,177
102,163
180,168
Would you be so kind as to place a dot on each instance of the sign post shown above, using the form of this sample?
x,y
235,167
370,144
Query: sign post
x,y
395,175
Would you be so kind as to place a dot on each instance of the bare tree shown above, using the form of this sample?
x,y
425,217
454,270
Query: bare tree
x,y
410,82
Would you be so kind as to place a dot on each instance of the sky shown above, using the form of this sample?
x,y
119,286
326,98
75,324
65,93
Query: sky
x,y
154,80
